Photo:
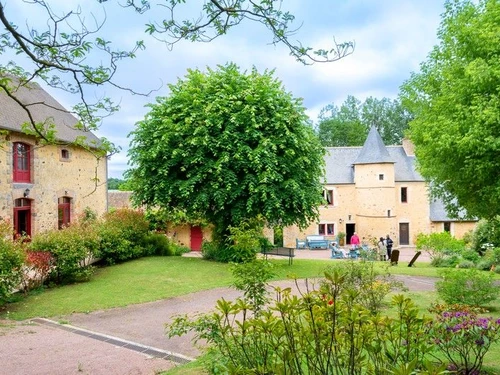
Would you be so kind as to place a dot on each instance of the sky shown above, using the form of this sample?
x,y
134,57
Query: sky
x,y
392,37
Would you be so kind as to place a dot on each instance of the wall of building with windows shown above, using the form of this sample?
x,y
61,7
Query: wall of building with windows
x,y
46,187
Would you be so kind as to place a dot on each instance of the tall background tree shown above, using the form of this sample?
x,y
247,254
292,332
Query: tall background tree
x,y
228,146
455,99
349,124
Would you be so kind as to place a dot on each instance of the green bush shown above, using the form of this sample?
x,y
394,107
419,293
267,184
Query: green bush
x,y
446,261
486,234
466,264
440,245
217,251
72,248
471,255
467,287
158,244
123,235
11,263
369,286
315,332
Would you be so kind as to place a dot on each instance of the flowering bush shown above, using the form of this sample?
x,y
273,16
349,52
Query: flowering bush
x,y
464,338
37,267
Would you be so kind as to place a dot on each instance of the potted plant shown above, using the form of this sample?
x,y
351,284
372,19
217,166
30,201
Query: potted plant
x,y
341,238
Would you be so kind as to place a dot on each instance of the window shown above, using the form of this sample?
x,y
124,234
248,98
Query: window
x,y
404,195
329,197
321,229
330,229
64,154
447,226
63,212
326,229
381,177
21,162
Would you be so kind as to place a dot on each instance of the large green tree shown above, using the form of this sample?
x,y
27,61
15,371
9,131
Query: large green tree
x,y
455,99
226,146
349,124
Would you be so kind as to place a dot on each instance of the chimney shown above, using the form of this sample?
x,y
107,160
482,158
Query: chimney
x,y
409,147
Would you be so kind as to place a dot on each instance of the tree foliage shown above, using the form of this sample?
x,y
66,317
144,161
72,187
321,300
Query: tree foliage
x,y
349,124
73,54
227,146
456,104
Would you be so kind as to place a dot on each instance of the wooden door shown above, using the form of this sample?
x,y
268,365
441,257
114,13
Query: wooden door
x,y
404,233
196,238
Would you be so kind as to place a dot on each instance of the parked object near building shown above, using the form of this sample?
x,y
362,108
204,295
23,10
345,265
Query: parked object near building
x,y
47,186
377,189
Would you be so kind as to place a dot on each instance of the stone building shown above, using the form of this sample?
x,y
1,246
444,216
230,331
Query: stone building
x,y
44,186
376,190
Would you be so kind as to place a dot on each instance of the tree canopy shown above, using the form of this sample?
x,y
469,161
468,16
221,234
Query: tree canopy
x,y
349,124
455,99
227,146
72,52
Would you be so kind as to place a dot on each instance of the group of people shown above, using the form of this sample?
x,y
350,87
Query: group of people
x,y
385,246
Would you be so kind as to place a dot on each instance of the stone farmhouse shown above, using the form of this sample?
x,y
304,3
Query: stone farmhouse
x,y
44,186
376,190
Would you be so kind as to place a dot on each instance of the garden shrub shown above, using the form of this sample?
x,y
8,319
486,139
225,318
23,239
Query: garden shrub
x,y
247,240
73,250
469,254
468,287
179,249
440,245
158,244
11,261
316,332
37,268
370,286
466,264
487,232
251,278
123,235
463,337
215,250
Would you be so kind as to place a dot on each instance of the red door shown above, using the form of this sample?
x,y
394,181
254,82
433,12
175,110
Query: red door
x,y
196,238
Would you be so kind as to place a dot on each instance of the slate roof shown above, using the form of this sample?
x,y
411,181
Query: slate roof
x,y
373,151
339,162
12,116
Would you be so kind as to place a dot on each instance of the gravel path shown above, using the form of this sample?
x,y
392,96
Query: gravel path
x,y
128,340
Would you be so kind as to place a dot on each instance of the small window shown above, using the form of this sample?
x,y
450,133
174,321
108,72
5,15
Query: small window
x,y
64,154
330,229
329,197
381,177
447,226
404,195
388,213
21,162
321,229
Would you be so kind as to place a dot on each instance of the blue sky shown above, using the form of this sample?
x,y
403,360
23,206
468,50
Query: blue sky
x,y
392,38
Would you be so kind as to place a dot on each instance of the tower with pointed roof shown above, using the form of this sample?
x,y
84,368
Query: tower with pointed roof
x,y
374,181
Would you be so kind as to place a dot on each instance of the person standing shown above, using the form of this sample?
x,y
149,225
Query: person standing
x,y
388,245
382,251
355,242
